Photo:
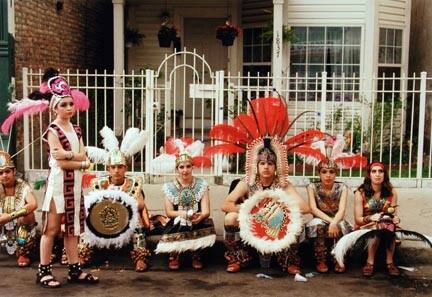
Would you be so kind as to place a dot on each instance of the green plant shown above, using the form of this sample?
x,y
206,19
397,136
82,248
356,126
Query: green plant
x,y
133,36
288,35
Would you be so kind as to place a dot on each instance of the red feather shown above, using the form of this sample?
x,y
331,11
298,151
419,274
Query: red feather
x,y
226,149
201,161
351,161
311,155
170,147
247,124
228,133
270,113
187,141
304,138
86,179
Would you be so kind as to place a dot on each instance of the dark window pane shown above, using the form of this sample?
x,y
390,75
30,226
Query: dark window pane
x,y
333,69
352,55
350,70
388,84
389,55
397,55
298,54
300,34
300,69
334,35
316,54
316,35
334,55
382,54
256,54
391,37
247,36
267,53
256,38
382,36
352,35
247,54
398,38
315,70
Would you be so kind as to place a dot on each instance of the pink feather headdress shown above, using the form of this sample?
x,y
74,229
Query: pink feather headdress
x,y
58,87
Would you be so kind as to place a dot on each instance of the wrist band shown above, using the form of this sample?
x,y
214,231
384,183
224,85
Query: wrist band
x,y
18,213
366,219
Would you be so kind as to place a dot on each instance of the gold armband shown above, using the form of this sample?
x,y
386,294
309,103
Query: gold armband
x,y
18,213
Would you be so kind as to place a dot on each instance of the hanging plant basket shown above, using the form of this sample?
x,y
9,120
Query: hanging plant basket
x,y
166,35
227,34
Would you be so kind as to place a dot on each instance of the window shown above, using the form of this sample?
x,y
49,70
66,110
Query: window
x,y
335,50
390,46
256,54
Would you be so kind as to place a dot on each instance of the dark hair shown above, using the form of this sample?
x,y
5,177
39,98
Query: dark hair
x,y
366,186
37,95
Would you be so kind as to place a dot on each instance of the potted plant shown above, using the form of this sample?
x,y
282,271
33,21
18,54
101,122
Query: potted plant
x,y
133,37
288,34
227,33
166,35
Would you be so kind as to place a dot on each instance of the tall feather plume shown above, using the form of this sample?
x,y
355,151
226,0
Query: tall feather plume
x,y
310,154
109,141
305,137
255,117
129,137
20,108
248,125
137,145
346,243
227,133
226,149
353,161
412,234
195,149
338,146
97,155
201,161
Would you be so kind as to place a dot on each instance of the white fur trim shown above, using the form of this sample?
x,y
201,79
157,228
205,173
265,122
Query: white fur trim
x,y
345,243
96,196
267,246
185,245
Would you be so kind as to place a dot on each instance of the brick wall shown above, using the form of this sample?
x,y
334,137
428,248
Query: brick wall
x,y
77,37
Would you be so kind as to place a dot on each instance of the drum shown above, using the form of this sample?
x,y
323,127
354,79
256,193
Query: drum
x,y
111,218
270,221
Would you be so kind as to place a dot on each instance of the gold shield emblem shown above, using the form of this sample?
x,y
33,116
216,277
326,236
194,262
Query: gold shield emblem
x,y
109,218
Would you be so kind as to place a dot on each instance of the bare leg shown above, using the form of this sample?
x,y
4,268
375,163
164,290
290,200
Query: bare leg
x,y
372,248
47,239
390,252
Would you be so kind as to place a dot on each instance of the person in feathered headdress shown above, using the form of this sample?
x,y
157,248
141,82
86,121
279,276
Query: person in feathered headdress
x,y
63,205
116,157
187,204
17,206
264,196
328,198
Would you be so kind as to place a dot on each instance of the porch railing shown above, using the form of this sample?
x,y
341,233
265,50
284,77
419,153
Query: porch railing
x,y
385,118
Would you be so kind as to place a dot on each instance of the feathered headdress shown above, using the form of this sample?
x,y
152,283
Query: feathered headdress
x,y
263,129
51,91
331,154
133,142
177,150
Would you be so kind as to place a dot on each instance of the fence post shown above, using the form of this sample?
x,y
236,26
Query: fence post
x,y
219,114
323,101
421,124
26,124
149,123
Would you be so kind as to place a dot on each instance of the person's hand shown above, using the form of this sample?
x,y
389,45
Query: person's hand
x,y
375,217
196,218
60,154
333,230
396,220
4,218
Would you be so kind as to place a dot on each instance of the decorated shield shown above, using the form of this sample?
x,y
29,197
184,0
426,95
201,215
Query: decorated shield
x,y
270,221
112,216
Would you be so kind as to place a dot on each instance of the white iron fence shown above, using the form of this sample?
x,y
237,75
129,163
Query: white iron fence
x,y
385,118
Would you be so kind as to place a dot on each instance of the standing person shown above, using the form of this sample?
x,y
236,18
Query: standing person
x,y
63,205
116,159
17,206
187,204
373,198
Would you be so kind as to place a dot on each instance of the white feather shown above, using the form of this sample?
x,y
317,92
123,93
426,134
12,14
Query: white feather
x,y
195,149
129,137
164,163
110,141
338,147
137,145
180,246
345,243
97,155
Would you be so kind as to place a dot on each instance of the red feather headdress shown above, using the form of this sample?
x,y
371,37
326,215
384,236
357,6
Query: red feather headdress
x,y
267,119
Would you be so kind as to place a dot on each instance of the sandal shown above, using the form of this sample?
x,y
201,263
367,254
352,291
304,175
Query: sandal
x,y
196,262
368,269
392,269
338,268
174,263
76,275
23,261
45,278
64,259
233,267
140,266
321,267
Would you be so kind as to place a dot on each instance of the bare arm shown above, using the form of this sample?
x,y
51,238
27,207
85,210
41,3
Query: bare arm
x,y
342,206
313,207
142,208
81,156
205,209
358,209
304,207
170,212
31,202
60,153
230,202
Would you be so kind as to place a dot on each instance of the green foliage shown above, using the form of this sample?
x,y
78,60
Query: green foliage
x,y
132,35
288,35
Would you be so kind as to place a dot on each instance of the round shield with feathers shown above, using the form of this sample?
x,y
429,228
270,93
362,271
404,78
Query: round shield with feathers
x,y
112,216
270,221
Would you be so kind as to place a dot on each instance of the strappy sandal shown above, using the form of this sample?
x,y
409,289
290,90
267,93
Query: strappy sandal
x,y
63,258
45,279
174,262
368,269
196,262
392,269
141,266
233,267
74,275
23,261
322,267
